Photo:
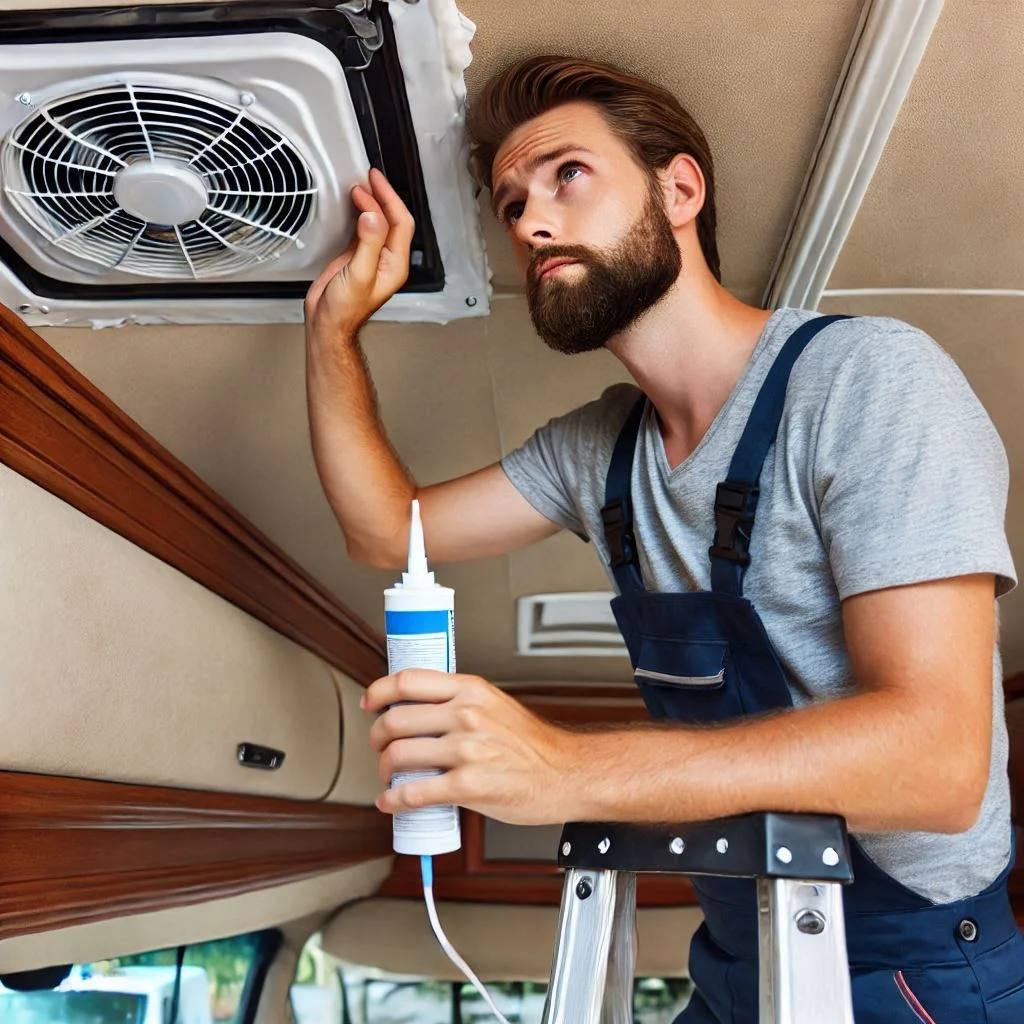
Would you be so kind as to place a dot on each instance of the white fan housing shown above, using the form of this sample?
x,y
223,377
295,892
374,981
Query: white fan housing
x,y
221,158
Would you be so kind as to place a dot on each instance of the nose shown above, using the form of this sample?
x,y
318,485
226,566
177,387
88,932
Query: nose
x,y
535,225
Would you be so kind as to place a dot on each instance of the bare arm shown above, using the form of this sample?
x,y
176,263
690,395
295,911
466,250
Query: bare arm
x,y
367,486
910,750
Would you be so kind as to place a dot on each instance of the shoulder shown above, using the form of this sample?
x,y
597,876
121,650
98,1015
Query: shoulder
x,y
875,361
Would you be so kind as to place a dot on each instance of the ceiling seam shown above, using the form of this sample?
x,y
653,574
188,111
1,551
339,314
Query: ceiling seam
x,y
981,292
871,88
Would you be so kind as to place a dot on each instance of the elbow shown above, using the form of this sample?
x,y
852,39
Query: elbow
x,y
958,798
376,556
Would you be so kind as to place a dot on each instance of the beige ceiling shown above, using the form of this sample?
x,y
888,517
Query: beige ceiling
x,y
756,74
946,206
230,401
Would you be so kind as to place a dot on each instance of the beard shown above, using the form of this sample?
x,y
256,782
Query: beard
x,y
616,287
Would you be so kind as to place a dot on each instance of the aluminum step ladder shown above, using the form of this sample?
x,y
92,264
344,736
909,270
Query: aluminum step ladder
x,y
800,862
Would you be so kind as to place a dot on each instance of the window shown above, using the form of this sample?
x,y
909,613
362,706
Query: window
x,y
219,983
327,991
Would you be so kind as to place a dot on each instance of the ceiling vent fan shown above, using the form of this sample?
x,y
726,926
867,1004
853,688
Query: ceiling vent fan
x,y
192,163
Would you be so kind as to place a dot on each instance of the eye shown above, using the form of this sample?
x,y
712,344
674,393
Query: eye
x,y
566,173
511,213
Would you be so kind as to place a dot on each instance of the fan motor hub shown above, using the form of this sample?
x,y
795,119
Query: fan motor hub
x,y
161,192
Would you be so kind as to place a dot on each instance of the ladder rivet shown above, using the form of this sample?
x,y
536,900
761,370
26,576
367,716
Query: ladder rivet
x,y
810,922
566,849
605,845
584,888
783,854
722,845
830,857
677,845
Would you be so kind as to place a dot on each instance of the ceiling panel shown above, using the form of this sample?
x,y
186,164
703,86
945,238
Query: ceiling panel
x,y
983,336
945,207
757,76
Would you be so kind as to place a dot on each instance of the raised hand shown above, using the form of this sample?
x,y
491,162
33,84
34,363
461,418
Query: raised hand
x,y
375,265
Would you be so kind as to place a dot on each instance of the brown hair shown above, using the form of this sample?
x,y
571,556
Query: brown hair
x,y
646,117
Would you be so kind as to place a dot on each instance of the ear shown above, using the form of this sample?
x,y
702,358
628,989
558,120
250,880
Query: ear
x,y
683,188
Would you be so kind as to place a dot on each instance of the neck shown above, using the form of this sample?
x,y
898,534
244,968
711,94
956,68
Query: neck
x,y
687,353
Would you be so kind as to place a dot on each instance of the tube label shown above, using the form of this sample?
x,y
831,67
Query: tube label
x,y
420,640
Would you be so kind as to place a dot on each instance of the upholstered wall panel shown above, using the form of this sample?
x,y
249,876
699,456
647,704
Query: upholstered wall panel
x,y
358,782
115,666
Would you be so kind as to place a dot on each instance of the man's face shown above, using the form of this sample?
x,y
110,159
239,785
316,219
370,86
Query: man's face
x,y
588,227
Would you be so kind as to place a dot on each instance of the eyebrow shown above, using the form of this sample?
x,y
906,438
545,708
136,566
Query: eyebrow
x,y
534,163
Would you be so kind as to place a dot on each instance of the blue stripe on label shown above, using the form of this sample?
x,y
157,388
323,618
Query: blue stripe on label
x,y
405,623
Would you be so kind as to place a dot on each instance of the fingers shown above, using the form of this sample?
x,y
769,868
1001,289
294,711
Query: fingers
x,y
371,234
400,221
410,720
410,796
424,753
412,684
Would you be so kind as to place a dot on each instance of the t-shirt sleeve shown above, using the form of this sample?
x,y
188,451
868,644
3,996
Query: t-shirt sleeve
x,y
560,468
538,470
910,476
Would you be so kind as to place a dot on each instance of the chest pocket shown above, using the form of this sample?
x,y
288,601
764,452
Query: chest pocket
x,y
683,679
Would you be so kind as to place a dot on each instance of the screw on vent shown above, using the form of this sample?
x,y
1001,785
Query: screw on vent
x,y
156,182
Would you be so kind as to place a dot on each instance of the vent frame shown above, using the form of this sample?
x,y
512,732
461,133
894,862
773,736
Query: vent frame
x,y
398,115
580,624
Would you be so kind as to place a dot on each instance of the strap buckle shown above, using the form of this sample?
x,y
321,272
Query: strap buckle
x,y
735,504
618,533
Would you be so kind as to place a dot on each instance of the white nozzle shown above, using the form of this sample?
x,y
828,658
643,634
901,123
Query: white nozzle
x,y
418,574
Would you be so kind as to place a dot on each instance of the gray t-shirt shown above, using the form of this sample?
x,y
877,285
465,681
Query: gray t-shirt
x,y
886,470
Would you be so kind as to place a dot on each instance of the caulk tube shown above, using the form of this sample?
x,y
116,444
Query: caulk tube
x,y
419,622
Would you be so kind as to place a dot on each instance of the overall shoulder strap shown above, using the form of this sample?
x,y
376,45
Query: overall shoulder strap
x,y
736,496
617,511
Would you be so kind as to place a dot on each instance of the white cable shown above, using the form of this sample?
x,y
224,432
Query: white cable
x,y
427,870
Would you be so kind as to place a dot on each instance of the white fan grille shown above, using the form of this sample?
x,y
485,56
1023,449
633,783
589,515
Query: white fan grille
x,y
61,165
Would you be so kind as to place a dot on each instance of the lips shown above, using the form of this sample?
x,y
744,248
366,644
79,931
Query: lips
x,y
549,266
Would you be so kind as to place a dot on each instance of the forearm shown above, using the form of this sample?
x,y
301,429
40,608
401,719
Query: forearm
x,y
365,483
873,758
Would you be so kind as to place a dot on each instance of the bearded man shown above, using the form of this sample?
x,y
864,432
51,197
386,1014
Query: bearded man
x,y
844,648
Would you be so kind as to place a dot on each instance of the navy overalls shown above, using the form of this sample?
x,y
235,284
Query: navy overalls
x,y
705,656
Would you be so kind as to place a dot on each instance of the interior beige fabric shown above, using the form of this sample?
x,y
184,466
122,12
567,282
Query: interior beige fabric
x,y
113,665
501,942
216,919
358,782
981,334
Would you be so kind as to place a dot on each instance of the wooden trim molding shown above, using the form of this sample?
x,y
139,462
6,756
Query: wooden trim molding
x,y
76,850
62,433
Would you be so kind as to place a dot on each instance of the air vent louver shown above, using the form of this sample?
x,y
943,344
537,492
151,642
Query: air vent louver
x,y
157,182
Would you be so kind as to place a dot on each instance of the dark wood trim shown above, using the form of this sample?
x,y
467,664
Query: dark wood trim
x,y
76,850
576,691
537,890
62,433
1013,687
466,875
